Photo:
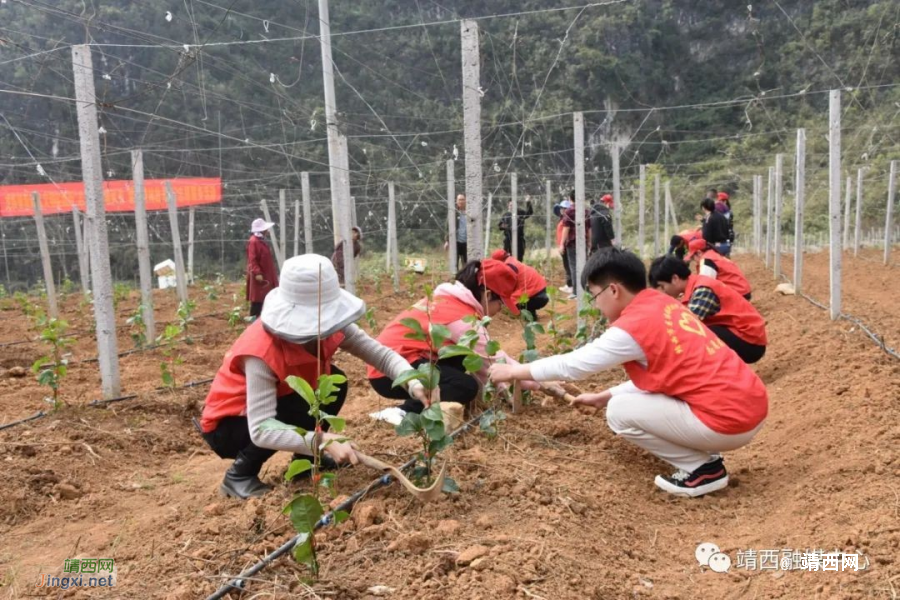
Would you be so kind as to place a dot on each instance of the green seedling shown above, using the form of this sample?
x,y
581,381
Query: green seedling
x,y
211,293
560,340
473,362
370,320
306,510
121,291
168,342
52,368
67,286
437,335
138,327
185,317
428,427
592,322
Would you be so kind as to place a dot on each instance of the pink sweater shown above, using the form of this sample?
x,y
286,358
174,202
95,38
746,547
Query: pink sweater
x,y
458,328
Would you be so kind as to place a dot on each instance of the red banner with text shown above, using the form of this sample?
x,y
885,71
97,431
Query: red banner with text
x,y
15,200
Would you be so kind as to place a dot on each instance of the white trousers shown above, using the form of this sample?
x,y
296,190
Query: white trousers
x,y
666,427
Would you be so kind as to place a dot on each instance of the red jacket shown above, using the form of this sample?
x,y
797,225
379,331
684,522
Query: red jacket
x,y
228,395
529,280
260,262
686,360
735,312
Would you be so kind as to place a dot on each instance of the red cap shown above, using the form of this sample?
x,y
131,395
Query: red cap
x,y
723,196
501,279
698,245
607,199
500,255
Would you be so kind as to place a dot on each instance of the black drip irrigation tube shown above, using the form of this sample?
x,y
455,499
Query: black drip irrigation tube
x,y
33,417
99,403
879,340
237,584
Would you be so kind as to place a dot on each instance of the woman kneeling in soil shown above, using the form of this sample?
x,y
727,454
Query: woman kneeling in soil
x,y
481,288
690,397
296,326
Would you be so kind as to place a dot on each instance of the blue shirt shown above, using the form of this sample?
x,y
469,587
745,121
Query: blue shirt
x,y
462,234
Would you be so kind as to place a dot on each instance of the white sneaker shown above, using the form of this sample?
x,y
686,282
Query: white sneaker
x,y
565,289
393,415
572,296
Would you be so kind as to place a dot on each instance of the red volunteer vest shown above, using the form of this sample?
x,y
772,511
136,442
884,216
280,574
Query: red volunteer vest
x,y
689,235
735,313
228,395
685,360
529,280
728,272
444,310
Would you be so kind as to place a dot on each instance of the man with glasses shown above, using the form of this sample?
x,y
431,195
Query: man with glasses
x,y
689,396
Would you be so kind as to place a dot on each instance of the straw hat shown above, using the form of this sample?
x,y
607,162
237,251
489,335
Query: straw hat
x,y
290,309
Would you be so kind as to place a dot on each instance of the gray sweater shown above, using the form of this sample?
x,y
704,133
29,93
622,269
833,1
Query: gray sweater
x,y
262,389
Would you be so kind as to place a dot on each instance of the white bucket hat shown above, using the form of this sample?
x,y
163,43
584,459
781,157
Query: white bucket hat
x,y
260,225
290,310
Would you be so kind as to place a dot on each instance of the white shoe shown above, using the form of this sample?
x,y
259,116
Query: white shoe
x,y
572,296
393,415
565,289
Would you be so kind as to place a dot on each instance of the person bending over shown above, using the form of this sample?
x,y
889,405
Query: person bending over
x,y
728,314
303,323
689,397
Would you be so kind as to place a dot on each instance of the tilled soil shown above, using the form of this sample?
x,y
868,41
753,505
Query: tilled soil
x,y
555,507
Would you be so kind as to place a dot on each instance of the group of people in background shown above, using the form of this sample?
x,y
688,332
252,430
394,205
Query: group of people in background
x,y
684,332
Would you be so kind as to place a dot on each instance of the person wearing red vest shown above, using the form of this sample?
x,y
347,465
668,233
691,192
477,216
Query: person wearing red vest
x,y
728,314
481,289
678,245
689,397
709,262
531,283
298,333
262,277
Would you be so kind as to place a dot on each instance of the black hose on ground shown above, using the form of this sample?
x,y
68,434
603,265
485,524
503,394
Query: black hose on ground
x,y
237,584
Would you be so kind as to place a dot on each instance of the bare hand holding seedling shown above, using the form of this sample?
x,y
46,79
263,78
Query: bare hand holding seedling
x,y
341,452
598,400
420,393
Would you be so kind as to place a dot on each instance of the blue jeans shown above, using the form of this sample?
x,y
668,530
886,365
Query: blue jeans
x,y
723,248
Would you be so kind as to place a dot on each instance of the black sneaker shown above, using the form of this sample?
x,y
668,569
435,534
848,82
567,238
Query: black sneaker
x,y
710,477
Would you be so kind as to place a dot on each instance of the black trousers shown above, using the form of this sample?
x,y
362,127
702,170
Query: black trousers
x,y
749,353
232,435
520,249
462,255
565,260
536,302
571,258
455,384
255,309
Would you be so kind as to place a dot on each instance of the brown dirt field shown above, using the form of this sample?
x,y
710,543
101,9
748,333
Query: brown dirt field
x,y
563,509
